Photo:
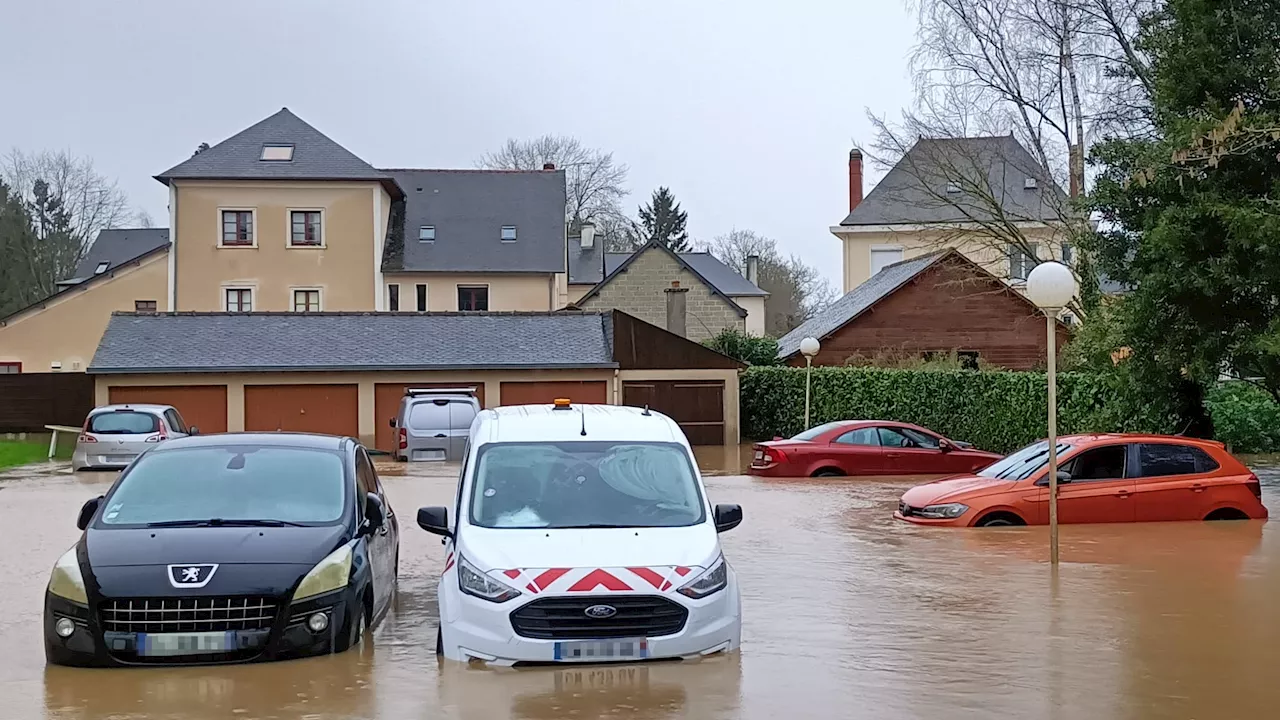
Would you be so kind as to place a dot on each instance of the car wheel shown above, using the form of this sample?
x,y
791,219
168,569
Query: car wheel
x,y
1000,520
439,642
358,629
828,472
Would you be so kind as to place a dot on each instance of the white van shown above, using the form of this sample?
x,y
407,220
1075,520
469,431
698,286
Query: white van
x,y
582,533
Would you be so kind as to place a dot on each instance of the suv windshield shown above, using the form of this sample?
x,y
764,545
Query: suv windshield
x,y
230,483
1022,464
124,422
585,484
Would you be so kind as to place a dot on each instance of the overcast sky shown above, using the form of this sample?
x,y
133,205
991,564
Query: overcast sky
x,y
745,109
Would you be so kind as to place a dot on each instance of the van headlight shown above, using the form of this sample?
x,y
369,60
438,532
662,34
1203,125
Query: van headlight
x,y
66,581
942,512
713,580
331,573
475,583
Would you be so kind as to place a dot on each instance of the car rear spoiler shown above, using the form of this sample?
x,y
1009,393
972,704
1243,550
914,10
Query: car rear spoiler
x,y
441,391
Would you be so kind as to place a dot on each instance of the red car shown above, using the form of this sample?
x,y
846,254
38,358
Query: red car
x,y
866,447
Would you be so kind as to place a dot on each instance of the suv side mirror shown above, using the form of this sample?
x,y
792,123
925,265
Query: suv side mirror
x,y
728,517
87,511
435,520
374,511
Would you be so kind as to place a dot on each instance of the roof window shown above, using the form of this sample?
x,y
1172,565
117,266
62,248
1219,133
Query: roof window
x,y
427,233
1030,184
277,153
102,267
952,188
508,233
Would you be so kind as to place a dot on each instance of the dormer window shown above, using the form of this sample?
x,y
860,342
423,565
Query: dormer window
x,y
102,267
277,153
427,233
508,233
1030,184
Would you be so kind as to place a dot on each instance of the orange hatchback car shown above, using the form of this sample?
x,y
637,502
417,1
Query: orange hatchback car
x,y
1101,479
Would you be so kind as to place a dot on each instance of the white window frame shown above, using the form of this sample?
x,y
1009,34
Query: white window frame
x,y
502,234
253,297
288,230
253,231
871,255
433,233
293,298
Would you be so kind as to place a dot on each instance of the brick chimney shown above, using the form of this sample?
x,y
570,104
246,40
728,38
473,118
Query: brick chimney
x,y
676,298
855,178
548,166
753,269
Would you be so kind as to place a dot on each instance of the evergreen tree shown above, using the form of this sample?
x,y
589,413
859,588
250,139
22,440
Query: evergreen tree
x,y
663,221
58,249
18,287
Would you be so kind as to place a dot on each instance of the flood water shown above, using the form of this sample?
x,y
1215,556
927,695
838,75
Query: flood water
x,y
847,614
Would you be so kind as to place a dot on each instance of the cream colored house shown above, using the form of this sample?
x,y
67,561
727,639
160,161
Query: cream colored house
x,y
971,194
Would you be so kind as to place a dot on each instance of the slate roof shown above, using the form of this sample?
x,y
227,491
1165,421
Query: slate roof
x,y
915,190
857,301
239,157
587,268
116,247
468,209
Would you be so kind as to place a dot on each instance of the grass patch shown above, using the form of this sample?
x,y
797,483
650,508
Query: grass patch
x,y
23,452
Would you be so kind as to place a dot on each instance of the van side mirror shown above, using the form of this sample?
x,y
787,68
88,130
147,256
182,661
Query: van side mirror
x,y
374,511
728,517
87,511
435,520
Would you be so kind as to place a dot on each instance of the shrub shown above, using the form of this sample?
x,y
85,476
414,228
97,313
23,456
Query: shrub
x,y
998,411
1245,418
750,349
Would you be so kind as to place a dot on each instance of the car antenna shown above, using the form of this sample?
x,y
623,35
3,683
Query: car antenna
x,y
646,412
583,411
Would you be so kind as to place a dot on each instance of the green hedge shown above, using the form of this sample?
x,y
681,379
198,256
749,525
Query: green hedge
x,y
998,411
1245,418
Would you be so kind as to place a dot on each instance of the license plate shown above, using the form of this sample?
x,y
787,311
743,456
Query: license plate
x,y
759,455
599,650
628,676
160,644
429,455
120,458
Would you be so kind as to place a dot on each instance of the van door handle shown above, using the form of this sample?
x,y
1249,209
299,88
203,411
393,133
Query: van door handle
x,y
440,435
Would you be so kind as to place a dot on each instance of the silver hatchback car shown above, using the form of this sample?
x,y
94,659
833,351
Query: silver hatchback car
x,y
114,435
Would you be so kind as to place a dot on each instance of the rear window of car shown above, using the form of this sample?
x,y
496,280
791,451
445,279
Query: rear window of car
x,y
124,422
814,432
1161,459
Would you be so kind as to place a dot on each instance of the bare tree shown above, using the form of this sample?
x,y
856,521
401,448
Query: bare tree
x,y
796,290
595,185
94,202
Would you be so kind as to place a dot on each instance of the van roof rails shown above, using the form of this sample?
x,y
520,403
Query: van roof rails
x,y
441,391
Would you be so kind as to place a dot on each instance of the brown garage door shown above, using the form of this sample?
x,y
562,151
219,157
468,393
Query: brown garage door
x,y
697,405
540,393
201,406
386,403
329,409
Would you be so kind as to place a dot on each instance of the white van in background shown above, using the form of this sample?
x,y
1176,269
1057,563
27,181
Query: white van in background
x,y
582,534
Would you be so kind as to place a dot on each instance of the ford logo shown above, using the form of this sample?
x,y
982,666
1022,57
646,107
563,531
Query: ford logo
x,y
600,611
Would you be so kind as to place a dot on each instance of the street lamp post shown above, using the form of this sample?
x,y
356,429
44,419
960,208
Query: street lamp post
x,y
808,347
1052,286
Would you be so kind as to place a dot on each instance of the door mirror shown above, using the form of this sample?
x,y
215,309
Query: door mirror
x,y
87,511
945,445
392,423
434,520
1064,477
375,513
728,517
193,430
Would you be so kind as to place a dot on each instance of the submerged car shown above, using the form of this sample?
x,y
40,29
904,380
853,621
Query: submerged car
x,y
582,534
866,447
114,435
226,548
1101,479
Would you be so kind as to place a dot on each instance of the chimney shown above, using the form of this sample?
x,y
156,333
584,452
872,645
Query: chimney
x,y
676,308
588,232
855,178
548,166
753,269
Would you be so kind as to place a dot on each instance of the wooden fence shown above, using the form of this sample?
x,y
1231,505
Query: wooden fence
x,y
29,401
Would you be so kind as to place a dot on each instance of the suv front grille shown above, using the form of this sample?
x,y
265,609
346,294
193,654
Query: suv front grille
x,y
565,618
190,614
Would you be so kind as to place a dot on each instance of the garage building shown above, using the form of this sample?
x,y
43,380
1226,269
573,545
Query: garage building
x,y
344,373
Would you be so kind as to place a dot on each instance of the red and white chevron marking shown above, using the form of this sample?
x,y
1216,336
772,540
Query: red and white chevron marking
x,y
597,580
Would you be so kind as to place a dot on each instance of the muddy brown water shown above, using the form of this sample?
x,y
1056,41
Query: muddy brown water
x,y
847,614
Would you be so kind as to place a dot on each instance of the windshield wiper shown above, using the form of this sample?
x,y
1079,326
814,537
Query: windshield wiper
x,y
588,526
225,522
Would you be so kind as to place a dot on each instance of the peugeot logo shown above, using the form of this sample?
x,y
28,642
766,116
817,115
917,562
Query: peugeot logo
x,y
600,611
191,576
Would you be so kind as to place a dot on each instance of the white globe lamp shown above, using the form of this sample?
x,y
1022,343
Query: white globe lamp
x,y
1052,285
809,347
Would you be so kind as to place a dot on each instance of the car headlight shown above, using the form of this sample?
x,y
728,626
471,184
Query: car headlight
x,y
331,573
66,580
942,512
473,582
713,580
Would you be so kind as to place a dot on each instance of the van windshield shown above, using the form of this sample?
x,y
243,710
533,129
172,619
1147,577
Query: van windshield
x,y
585,485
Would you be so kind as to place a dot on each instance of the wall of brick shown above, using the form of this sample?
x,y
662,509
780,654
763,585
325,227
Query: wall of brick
x,y
639,291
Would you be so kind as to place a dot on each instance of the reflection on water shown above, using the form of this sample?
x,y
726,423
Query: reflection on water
x,y
847,614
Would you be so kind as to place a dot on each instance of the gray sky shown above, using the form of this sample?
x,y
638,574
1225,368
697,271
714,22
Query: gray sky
x,y
746,109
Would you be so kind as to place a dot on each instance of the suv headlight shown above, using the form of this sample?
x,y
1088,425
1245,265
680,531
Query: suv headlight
x,y
713,580
331,573
66,581
942,512
475,583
